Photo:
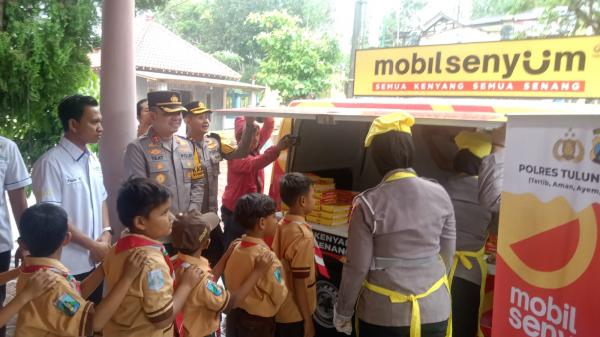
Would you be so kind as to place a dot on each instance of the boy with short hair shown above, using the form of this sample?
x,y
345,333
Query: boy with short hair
x,y
294,246
255,315
62,310
201,313
150,305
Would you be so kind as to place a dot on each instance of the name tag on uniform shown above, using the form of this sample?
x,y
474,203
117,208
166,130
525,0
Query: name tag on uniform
x,y
187,155
71,180
159,157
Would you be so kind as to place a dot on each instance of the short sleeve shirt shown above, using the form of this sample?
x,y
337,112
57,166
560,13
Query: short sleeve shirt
x,y
294,246
268,295
13,175
149,299
202,309
61,311
71,178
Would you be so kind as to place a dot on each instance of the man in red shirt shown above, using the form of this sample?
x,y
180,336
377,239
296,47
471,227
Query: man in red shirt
x,y
246,175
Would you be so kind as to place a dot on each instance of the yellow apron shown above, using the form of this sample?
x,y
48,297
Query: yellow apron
x,y
463,257
396,297
415,318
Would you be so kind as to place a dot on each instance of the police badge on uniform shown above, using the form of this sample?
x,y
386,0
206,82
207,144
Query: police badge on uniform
x,y
67,304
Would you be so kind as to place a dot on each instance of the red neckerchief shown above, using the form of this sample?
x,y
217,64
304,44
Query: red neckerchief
x,y
70,278
133,241
246,244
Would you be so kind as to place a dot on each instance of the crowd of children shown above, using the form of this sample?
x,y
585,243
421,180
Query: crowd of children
x,y
269,274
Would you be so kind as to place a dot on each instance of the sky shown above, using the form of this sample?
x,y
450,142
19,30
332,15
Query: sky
x,y
377,9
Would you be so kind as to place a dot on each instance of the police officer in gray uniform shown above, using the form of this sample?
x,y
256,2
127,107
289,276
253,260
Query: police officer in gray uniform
x,y
161,155
469,270
491,173
401,242
209,151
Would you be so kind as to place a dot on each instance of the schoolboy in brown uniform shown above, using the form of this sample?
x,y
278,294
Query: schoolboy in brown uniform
x,y
62,310
255,315
294,245
150,305
38,284
201,312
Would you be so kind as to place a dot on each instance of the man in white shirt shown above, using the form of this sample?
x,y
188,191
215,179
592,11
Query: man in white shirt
x,y
14,177
70,176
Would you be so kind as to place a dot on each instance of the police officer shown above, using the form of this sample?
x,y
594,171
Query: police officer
x,y
401,242
161,155
491,172
469,270
209,151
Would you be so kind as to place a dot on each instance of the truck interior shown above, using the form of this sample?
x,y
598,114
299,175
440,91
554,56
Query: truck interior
x,y
337,151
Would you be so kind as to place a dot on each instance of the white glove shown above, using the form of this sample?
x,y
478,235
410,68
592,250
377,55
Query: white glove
x,y
342,323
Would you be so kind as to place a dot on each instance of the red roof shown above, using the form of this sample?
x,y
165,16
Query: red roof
x,y
160,50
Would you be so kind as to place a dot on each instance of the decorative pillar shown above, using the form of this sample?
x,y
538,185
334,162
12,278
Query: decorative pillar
x,y
117,94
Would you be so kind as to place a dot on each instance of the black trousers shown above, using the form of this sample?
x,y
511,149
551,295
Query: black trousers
x,y
4,266
295,329
465,308
96,296
240,323
427,330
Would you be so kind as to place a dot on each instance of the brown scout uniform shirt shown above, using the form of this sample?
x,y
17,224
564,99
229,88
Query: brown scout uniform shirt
x,y
201,312
294,246
268,295
170,165
406,219
150,298
208,154
60,311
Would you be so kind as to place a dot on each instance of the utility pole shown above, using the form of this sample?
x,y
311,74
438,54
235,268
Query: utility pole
x,y
359,12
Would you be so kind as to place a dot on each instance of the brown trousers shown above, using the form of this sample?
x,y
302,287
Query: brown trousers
x,y
241,324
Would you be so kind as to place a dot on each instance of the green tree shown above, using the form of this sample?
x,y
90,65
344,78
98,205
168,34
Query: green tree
x,y
231,59
483,8
399,27
579,16
43,58
219,25
298,63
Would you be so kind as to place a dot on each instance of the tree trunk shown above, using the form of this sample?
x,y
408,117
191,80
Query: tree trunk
x,y
2,15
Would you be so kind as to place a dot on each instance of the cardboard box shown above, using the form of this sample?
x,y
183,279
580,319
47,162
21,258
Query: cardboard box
x,y
336,208
330,215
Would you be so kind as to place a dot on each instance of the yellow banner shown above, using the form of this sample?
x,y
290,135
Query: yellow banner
x,y
564,67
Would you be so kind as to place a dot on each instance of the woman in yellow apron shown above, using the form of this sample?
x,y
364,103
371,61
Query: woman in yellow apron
x,y
401,242
469,270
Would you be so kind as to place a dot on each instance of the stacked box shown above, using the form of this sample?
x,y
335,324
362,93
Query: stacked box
x,y
332,207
